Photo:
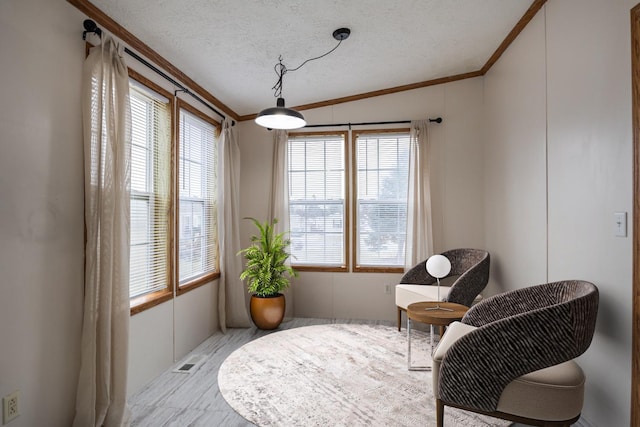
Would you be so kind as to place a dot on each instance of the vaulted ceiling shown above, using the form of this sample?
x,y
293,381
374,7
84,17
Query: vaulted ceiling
x,y
230,48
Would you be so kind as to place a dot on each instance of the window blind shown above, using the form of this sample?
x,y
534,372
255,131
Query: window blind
x,y
197,242
381,198
317,199
150,191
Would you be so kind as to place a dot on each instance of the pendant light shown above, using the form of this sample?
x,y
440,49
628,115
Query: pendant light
x,y
281,117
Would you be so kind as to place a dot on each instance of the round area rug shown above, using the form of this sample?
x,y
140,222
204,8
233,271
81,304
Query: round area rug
x,y
334,375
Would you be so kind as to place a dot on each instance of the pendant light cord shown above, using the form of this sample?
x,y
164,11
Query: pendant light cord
x,y
317,57
282,69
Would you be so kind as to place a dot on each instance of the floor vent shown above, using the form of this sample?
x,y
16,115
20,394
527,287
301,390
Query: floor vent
x,y
190,365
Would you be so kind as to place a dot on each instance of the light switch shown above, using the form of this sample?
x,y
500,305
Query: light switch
x,y
621,224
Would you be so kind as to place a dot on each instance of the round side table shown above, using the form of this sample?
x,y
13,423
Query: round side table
x,y
433,313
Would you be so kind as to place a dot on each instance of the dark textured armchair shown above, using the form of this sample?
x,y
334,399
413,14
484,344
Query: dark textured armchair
x,y
511,356
470,265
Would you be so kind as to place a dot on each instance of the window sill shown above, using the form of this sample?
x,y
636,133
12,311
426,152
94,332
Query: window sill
x,y
371,269
196,283
328,268
145,302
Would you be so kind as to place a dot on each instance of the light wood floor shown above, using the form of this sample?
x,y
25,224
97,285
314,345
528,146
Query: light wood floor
x,y
178,399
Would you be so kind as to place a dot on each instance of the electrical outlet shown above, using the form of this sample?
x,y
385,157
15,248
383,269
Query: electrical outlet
x,y
10,407
387,289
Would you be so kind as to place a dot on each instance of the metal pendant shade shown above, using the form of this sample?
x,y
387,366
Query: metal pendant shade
x,y
280,117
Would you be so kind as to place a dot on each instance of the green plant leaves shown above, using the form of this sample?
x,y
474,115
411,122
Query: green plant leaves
x,y
266,271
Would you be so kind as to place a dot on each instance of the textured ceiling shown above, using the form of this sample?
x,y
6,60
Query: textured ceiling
x,y
231,47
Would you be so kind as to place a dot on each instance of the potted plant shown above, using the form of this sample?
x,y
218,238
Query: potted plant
x,y
267,274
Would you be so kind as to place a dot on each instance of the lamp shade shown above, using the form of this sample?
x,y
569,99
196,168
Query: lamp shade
x,y
280,117
438,266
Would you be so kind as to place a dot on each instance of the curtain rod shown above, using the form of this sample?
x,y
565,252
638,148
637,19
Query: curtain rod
x,y
398,122
91,27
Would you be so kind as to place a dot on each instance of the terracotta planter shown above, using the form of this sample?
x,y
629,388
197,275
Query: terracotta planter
x,y
267,312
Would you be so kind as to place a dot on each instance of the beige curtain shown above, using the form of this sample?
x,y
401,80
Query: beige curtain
x,y
232,310
419,220
102,385
279,197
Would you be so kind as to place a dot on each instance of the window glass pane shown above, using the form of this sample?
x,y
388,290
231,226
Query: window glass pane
x,y
197,245
191,238
317,199
334,184
381,198
297,185
315,185
150,177
139,159
296,157
140,221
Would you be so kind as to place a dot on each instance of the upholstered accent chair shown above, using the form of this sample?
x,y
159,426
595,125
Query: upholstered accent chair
x,y
511,356
471,266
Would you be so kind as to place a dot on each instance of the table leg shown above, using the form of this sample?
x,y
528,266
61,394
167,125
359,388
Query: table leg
x,y
409,365
431,341
408,343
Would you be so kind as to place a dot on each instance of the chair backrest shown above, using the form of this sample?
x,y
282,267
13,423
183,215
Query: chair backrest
x,y
519,332
470,265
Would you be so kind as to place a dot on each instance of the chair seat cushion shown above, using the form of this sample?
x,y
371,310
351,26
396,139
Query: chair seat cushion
x,y
555,393
408,294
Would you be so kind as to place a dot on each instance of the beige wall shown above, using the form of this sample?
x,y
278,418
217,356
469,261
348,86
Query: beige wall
x,y
559,164
515,149
41,208
162,335
457,197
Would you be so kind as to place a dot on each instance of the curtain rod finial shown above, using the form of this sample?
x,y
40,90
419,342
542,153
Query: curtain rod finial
x,y
90,27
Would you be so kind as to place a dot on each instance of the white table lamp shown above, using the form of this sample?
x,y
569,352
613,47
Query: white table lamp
x,y
438,266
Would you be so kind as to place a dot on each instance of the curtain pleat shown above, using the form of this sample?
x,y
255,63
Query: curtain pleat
x,y
419,218
102,384
279,197
232,309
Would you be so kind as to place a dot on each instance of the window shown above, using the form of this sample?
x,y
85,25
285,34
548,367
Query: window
x,y
319,221
382,172
173,243
197,241
317,208
150,191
